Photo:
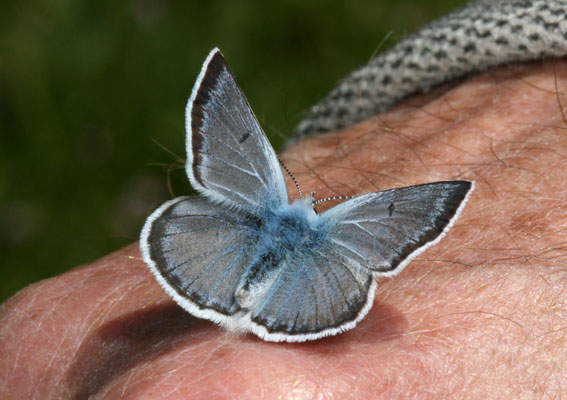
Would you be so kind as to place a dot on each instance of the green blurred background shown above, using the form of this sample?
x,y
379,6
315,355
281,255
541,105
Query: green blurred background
x,y
92,98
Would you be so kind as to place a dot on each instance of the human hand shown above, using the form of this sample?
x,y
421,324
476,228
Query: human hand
x,y
480,315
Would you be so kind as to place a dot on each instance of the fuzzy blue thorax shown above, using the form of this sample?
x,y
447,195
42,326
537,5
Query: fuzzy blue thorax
x,y
291,227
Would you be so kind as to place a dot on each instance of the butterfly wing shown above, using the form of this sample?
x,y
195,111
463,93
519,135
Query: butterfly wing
x,y
229,158
385,230
318,294
198,252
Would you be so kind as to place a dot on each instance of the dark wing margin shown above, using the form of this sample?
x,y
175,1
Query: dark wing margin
x,y
198,254
385,230
229,158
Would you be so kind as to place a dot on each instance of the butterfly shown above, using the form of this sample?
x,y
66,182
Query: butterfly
x,y
243,256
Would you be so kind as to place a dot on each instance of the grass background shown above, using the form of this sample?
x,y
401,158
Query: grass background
x,y
92,92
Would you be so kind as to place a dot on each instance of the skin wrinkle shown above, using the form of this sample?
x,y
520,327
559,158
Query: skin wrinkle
x,y
49,322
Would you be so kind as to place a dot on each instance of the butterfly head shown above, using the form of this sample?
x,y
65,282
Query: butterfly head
x,y
307,202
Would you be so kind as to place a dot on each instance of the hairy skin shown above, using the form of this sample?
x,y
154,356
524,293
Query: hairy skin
x,y
481,315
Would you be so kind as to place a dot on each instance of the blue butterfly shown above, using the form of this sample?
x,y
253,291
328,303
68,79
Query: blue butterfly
x,y
242,256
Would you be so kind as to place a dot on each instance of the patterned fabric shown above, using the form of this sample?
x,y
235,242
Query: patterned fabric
x,y
480,35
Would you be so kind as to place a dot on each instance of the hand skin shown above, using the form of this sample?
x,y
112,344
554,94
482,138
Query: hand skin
x,y
481,315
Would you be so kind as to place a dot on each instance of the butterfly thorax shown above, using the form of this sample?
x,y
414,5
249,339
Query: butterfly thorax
x,y
287,236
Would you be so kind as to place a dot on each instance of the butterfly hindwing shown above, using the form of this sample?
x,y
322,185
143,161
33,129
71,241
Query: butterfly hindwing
x,y
198,251
229,158
317,296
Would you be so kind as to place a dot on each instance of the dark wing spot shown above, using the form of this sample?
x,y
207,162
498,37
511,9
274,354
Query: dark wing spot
x,y
391,209
243,138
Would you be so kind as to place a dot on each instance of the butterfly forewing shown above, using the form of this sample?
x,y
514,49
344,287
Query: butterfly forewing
x,y
229,157
384,230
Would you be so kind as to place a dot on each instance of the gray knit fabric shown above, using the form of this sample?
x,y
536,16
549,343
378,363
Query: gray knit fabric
x,y
480,35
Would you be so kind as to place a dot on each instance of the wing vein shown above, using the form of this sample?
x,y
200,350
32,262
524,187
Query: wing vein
x,y
211,264
338,243
228,269
346,267
236,151
384,242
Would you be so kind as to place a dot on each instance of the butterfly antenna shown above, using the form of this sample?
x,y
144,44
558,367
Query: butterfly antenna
x,y
292,178
332,198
